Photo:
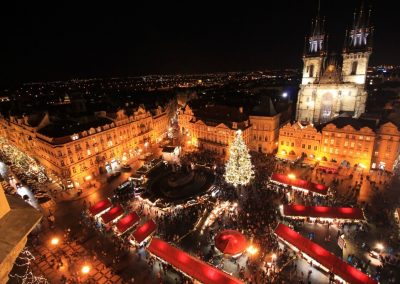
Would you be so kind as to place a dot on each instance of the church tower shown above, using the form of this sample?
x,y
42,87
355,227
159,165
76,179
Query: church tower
x,y
315,48
329,87
357,48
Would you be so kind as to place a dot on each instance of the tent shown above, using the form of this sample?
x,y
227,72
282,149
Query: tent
x,y
328,260
100,207
230,242
189,265
346,213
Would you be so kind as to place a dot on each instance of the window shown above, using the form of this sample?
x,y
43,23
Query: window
x,y
309,147
326,141
88,152
303,146
354,68
332,141
74,170
62,163
352,145
376,153
292,144
361,137
336,151
346,143
311,71
330,150
282,143
315,148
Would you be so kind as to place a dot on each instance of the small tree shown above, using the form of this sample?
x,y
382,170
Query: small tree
x,y
238,169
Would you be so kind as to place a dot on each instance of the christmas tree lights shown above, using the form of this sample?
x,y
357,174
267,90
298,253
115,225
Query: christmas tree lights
x,y
238,169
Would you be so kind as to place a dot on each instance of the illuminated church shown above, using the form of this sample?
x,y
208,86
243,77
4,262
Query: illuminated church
x,y
333,86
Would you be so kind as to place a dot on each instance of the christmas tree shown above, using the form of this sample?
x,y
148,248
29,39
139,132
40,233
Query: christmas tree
x,y
238,169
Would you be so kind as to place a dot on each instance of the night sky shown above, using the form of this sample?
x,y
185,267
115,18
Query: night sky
x,y
71,41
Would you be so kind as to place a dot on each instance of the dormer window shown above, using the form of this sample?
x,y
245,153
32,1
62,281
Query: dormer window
x,y
234,125
74,137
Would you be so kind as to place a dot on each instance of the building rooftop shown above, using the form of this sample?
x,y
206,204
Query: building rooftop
x,y
14,227
67,127
356,123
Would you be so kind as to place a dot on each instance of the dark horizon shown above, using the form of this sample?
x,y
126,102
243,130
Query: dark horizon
x,y
59,43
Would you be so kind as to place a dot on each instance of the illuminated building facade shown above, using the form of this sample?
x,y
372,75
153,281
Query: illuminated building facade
x,y
330,88
213,127
76,151
346,142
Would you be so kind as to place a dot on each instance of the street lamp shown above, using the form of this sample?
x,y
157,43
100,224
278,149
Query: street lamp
x,y
284,95
85,269
55,241
252,250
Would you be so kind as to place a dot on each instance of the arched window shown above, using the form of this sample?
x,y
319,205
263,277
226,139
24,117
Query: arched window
x,y
354,68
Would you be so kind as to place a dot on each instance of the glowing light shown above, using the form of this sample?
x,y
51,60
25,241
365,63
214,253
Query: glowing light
x,y
85,269
380,246
283,152
89,177
252,250
146,144
238,169
362,165
273,256
284,95
319,158
55,241
291,176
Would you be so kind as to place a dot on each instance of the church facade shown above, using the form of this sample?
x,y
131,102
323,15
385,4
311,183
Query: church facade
x,y
332,85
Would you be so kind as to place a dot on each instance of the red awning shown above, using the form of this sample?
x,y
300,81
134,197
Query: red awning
x,y
323,212
324,257
112,214
144,231
190,265
127,222
100,207
230,242
300,183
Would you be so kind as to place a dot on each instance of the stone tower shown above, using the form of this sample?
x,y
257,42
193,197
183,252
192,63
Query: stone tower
x,y
333,86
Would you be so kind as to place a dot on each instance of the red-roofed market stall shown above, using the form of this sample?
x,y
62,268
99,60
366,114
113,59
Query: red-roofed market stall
x,y
190,265
296,183
100,207
323,212
127,222
327,260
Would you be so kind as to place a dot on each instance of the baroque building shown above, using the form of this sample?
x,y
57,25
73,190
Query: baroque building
x,y
212,126
330,85
76,149
344,141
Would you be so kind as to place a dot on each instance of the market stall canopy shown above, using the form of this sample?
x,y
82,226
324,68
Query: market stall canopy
x,y
323,212
300,183
190,265
112,214
144,231
322,256
100,207
230,242
127,222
